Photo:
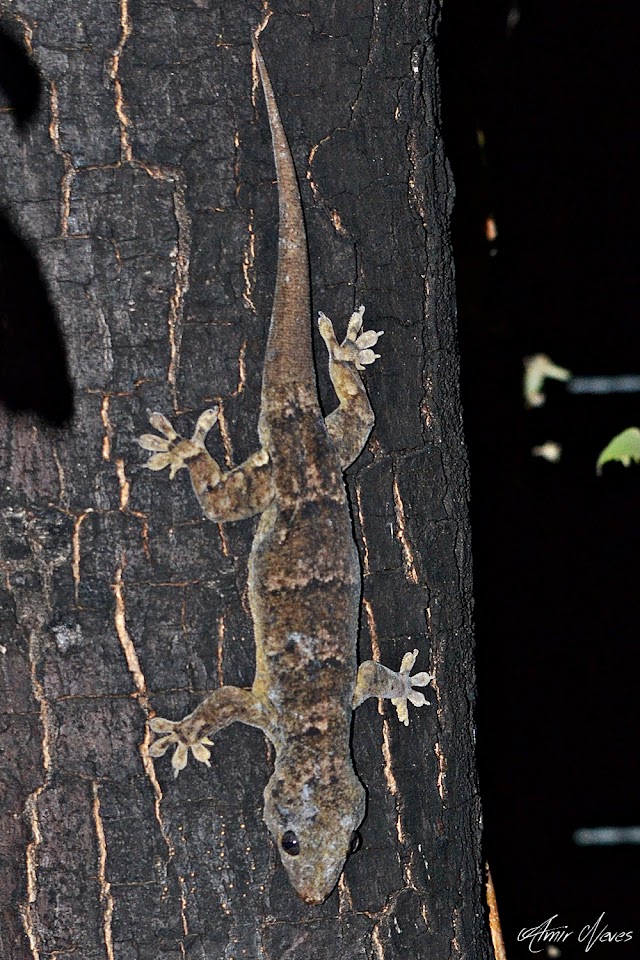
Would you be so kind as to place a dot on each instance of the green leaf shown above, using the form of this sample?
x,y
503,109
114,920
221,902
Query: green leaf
x,y
625,448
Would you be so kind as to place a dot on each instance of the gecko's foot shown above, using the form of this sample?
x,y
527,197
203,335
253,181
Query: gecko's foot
x,y
171,450
415,696
356,346
173,731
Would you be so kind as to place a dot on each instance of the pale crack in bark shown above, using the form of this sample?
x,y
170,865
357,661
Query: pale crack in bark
x,y
75,552
108,429
248,262
409,562
365,545
126,29
69,173
182,256
106,898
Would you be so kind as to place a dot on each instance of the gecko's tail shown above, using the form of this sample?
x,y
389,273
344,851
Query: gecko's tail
x,y
289,357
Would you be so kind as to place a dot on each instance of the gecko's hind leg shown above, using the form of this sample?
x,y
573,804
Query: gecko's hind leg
x,y
232,495
224,706
375,680
350,425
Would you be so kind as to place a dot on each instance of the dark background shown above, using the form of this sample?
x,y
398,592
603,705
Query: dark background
x,y
555,547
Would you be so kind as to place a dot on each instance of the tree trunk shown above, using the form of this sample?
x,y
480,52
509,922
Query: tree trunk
x,y
146,185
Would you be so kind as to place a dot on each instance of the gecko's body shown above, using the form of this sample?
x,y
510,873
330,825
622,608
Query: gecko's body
x,y
304,571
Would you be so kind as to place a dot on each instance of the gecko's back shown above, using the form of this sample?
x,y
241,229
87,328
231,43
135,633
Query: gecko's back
x,y
304,573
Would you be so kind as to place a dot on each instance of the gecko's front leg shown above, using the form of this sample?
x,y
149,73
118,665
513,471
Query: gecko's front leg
x,y
350,425
221,708
376,680
223,496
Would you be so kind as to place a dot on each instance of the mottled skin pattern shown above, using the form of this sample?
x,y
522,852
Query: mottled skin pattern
x,y
304,572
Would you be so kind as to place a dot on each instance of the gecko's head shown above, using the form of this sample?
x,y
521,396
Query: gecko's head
x,y
313,816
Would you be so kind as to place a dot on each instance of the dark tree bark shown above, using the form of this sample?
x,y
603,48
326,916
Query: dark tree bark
x,y
145,184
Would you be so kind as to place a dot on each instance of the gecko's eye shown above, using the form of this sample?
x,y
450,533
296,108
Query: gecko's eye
x,y
290,843
355,843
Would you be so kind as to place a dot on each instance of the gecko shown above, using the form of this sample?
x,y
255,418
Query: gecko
x,y
304,576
